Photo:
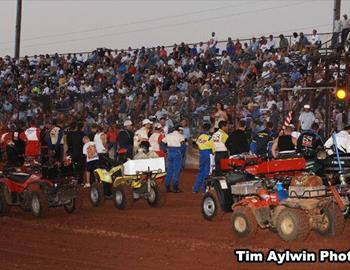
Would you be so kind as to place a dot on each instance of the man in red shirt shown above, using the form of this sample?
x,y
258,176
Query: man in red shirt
x,y
31,137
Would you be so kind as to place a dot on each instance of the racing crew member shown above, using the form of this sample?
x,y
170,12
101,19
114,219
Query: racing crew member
x,y
219,140
284,142
263,139
142,134
174,141
342,141
156,139
308,141
31,137
206,148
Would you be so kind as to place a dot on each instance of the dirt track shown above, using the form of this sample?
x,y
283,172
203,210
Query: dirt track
x,y
173,237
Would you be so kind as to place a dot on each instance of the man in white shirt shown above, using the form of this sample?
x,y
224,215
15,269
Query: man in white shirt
x,y
212,43
342,141
271,43
306,118
174,142
142,134
315,39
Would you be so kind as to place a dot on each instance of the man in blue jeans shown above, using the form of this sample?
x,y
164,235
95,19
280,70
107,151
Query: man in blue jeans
x,y
174,141
206,148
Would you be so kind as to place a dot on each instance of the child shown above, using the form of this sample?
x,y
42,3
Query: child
x,y
92,160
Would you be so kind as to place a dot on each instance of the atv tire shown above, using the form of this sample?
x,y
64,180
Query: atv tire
x,y
96,194
123,197
333,222
157,197
4,207
243,222
211,207
74,205
293,224
39,203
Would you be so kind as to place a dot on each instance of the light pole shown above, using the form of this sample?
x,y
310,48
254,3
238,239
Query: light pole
x,y
18,29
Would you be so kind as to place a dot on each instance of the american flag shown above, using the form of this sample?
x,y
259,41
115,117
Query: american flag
x,y
287,121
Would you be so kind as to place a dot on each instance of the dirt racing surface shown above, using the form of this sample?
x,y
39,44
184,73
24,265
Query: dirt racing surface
x,y
172,237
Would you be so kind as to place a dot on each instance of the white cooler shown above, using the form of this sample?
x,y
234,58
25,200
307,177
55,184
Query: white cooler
x,y
131,167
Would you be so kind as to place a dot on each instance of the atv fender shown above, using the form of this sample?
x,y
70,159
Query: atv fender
x,y
103,175
223,191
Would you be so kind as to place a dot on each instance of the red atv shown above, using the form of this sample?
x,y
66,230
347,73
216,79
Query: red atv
x,y
308,206
220,195
36,192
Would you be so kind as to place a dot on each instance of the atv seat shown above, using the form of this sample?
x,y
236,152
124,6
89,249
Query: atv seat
x,y
18,177
234,178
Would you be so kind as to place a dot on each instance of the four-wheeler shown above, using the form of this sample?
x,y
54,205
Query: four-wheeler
x,y
310,206
36,192
128,182
218,198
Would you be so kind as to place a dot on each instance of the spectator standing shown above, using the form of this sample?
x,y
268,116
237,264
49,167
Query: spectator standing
x,y
315,39
306,119
220,114
75,147
345,29
125,139
187,134
263,139
237,141
100,141
284,44
92,160
212,43
31,137
55,142
284,142
336,31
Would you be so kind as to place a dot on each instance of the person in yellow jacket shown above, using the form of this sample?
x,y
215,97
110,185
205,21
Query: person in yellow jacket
x,y
219,139
206,148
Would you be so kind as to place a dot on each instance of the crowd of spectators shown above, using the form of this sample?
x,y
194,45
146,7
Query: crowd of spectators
x,y
195,82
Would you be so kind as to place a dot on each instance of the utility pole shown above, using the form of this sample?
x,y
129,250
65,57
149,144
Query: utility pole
x,y
18,28
336,11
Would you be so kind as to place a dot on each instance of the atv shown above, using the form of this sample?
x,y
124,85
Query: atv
x,y
310,206
219,196
116,182
36,192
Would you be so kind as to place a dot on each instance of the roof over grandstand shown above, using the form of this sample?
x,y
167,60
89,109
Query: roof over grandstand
x,y
82,25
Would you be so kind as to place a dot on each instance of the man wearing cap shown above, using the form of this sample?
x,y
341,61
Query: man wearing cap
x,y
125,138
156,139
306,119
342,141
142,134
174,141
206,148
